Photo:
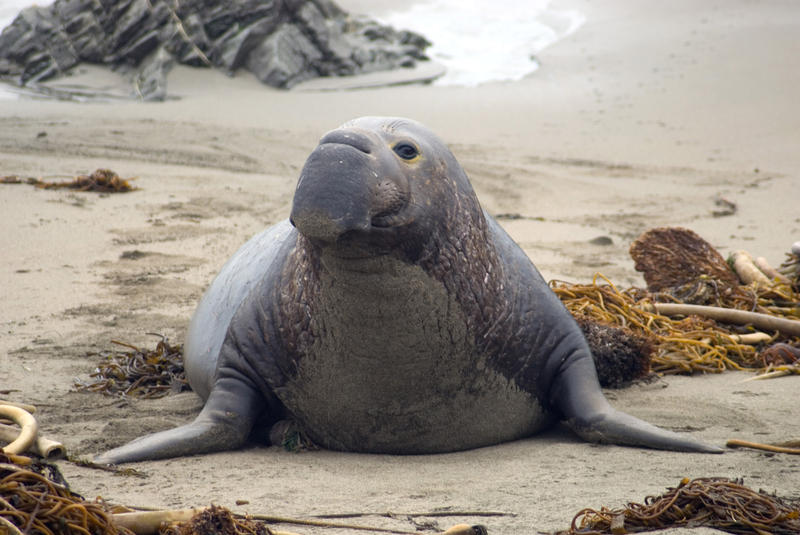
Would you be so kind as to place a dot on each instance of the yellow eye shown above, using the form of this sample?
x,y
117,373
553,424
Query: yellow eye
x,y
406,150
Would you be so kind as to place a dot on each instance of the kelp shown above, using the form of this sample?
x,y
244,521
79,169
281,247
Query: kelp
x,y
140,372
101,181
687,345
678,260
216,521
717,503
36,499
679,267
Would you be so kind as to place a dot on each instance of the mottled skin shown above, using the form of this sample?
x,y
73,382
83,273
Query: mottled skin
x,y
391,315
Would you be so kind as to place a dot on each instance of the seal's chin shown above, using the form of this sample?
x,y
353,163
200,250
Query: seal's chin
x,y
356,261
360,252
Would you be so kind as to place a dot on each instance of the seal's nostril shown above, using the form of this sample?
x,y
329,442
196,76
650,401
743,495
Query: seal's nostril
x,y
352,138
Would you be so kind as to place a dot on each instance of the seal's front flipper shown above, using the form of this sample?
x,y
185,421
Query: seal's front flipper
x,y
615,427
223,424
576,392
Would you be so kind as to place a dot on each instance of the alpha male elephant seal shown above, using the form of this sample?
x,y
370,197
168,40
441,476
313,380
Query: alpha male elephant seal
x,y
390,314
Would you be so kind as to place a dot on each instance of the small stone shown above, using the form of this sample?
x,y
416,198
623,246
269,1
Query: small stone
x,y
601,240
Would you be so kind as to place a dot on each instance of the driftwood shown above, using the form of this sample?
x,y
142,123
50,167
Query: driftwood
x,y
774,448
44,447
27,434
764,322
24,406
745,267
150,522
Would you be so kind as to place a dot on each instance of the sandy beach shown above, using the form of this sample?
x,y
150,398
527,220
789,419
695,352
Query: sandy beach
x,y
640,119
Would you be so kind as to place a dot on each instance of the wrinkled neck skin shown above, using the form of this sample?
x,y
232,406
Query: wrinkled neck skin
x,y
400,277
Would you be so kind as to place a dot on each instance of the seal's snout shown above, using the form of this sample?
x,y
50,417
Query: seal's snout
x,y
333,193
351,182
326,209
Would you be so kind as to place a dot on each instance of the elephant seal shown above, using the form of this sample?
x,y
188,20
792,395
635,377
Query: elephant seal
x,y
389,314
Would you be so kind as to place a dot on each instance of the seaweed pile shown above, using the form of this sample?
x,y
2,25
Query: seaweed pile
x,y
140,373
717,503
35,498
216,521
693,307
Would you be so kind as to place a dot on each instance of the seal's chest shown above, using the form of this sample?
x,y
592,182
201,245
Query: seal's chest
x,y
389,338
393,367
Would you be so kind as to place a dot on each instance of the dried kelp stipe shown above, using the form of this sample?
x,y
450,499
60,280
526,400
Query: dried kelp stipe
x,y
216,521
140,372
35,499
102,181
717,503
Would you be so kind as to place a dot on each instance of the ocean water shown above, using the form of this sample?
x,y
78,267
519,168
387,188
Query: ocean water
x,y
483,41
478,41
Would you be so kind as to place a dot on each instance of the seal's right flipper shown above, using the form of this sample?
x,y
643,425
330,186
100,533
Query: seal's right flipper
x,y
224,423
576,392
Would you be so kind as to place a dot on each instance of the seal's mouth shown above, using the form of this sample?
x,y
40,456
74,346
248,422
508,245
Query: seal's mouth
x,y
350,255
390,203
388,220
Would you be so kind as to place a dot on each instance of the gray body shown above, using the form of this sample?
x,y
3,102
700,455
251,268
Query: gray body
x,y
391,315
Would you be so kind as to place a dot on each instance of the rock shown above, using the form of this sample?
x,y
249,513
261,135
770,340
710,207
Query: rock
x,y
284,58
151,80
282,42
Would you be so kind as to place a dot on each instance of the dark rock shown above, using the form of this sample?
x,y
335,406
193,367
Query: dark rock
x,y
282,42
284,58
151,81
231,52
187,46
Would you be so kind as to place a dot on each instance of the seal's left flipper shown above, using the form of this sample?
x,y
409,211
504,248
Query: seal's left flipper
x,y
224,424
576,392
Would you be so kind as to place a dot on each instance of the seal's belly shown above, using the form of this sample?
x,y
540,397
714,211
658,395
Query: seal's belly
x,y
412,413
396,370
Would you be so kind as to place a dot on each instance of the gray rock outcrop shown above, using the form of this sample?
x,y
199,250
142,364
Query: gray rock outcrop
x,y
282,42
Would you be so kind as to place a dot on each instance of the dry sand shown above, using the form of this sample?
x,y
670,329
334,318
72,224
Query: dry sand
x,y
638,120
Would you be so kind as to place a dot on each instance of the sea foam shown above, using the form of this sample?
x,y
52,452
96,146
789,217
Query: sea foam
x,y
482,41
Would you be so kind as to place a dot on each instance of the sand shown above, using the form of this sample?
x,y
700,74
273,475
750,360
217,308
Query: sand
x,y
640,119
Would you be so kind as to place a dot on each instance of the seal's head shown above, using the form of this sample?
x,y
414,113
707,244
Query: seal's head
x,y
380,185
